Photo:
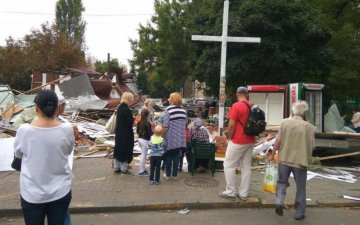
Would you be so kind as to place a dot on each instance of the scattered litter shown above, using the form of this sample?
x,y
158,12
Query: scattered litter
x,y
339,176
184,211
351,198
309,199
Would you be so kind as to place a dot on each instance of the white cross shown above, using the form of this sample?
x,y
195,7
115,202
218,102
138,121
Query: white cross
x,y
224,40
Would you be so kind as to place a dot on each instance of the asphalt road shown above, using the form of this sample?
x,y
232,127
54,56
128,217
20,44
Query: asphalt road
x,y
314,216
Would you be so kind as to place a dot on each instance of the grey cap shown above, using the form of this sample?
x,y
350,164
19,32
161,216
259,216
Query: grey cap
x,y
242,90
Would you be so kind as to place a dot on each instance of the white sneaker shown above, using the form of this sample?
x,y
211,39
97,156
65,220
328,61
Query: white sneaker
x,y
166,177
175,178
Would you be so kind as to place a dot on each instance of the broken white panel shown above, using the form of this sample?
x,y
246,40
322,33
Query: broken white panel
x,y
264,146
351,198
342,176
6,153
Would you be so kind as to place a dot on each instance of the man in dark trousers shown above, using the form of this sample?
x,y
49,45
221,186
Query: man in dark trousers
x,y
295,142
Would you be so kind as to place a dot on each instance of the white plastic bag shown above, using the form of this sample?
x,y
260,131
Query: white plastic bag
x,y
270,178
111,124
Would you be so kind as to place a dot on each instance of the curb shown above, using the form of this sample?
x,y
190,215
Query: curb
x,y
176,206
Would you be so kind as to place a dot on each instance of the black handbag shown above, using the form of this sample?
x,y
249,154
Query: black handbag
x,y
16,164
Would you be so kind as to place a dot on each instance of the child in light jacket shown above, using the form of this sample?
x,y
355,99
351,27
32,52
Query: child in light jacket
x,y
156,150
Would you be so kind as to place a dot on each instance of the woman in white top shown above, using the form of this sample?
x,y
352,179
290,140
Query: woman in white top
x,y
44,147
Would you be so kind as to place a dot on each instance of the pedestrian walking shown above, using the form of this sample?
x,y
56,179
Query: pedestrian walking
x,y
239,148
144,132
156,150
295,155
174,126
44,147
124,135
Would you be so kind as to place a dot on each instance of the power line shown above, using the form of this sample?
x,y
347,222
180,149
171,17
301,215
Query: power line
x,y
94,15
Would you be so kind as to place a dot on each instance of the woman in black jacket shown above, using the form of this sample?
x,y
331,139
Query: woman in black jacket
x,y
124,135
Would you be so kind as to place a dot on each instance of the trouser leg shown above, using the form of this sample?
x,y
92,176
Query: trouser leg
x,y
282,184
300,176
175,159
57,210
232,158
34,214
157,168
123,167
116,165
152,168
144,148
245,167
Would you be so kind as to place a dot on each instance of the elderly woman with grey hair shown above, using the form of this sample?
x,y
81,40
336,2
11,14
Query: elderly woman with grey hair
x,y
295,142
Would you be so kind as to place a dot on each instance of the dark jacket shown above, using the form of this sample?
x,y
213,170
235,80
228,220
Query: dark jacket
x,y
146,133
124,135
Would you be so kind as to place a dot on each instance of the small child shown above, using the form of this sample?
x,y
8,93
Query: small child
x,y
156,150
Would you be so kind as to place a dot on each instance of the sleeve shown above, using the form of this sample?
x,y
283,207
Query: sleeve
x,y
71,139
18,142
166,119
234,113
278,135
150,130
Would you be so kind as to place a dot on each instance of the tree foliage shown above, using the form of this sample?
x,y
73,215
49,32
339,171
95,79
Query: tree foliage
x,y
161,51
293,43
343,18
69,21
42,50
13,70
113,66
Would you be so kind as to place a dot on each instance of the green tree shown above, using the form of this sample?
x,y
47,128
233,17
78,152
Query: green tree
x,y
69,21
48,50
113,67
142,83
293,43
162,49
343,18
13,67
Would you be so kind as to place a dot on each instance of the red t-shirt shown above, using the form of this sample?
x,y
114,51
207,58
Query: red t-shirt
x,y
240,112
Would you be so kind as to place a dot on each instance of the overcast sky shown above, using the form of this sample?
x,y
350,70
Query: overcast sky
x,y
110,23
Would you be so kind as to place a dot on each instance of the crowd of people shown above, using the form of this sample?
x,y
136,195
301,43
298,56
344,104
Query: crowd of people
x,y
46,190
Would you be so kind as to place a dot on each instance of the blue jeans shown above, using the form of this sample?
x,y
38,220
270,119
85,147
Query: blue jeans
x,y
120,166
172,158
55,211
300,176
67,219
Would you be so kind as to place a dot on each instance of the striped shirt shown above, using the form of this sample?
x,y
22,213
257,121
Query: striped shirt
x,y
175,120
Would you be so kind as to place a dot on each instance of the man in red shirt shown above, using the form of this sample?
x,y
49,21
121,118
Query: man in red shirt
x,y
239,149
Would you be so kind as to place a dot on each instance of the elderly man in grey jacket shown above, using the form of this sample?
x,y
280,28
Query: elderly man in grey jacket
x,y
295,142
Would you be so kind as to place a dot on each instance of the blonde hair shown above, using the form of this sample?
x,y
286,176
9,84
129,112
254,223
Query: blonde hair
x,y
127,98
176,99
157,130
299,108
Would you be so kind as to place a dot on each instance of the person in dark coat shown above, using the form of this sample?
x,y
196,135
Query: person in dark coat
x,y
124,135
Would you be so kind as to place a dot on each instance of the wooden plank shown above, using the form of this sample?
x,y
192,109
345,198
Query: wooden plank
x,y
339,156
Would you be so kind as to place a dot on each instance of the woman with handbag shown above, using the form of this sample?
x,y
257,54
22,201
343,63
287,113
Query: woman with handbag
x,y
124,135
44,147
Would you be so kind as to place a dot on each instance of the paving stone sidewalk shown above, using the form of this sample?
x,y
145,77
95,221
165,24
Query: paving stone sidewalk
x,y
97,189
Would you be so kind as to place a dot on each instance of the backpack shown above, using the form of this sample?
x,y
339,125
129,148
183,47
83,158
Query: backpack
x,y
255,123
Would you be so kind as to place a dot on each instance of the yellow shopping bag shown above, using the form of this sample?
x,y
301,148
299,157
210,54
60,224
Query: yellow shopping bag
x,y
270,178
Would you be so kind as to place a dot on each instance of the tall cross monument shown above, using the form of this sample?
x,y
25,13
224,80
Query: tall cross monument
x,y
224,39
